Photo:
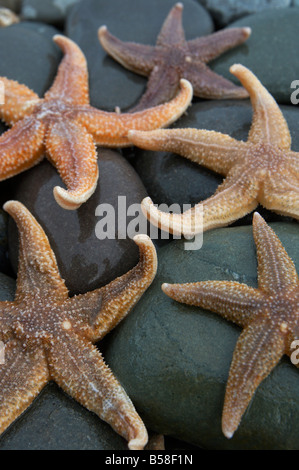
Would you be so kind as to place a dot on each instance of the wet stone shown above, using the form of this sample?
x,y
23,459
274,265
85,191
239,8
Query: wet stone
x,y
226,11
29,57
271,52
7,287
48,11
85,261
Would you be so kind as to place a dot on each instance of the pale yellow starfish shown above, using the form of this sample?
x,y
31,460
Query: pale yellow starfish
x,y
262,170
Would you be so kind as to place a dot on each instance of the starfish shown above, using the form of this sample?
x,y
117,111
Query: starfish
x,y
67,127
49,336
268,314
262,170
173,58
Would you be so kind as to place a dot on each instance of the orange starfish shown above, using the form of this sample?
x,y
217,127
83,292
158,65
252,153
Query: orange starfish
x,y
49,336
174,58
262,170
268,314
67,127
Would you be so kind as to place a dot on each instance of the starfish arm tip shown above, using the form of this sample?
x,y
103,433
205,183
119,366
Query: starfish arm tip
x,y
186,85
234,68
247,30
9,205
102,30
257,216
65,200
179,5
166,288
228,427
257,220
228,434
146,203
142,239
139,442
58,37
239,71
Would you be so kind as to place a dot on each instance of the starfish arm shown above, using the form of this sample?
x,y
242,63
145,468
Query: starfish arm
x,y
234,301
37,271
104,308
207,48
162,86
72,151
111,129
268,124
232,200
281,193
22,376
138,58
21,147
210,85
6,319
79,369
257,352
276,270
18,101
71,82
172,31
214,150
293,161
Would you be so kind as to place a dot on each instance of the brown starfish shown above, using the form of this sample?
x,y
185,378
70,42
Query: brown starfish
x,y
262,170
174,58
268,314
67,127
49,336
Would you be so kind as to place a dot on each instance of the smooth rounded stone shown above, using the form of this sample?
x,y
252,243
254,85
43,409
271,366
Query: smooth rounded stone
x,y
41,28
48,11
85,261
56,421
7,287
28,57
267,52
111,84
173,359
226,11
173,179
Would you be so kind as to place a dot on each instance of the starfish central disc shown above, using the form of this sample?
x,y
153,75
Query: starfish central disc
x,y
52,110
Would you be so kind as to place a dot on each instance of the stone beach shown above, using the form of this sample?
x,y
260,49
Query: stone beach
x,y
172,359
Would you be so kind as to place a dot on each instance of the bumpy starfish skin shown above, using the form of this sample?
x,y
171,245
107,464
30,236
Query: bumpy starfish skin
x,y
65,126
173,58
49,336
268,314
262,170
